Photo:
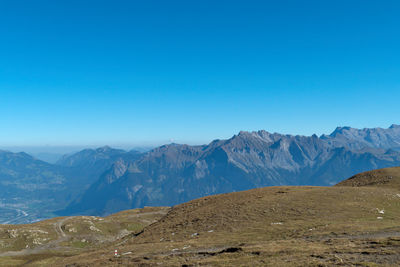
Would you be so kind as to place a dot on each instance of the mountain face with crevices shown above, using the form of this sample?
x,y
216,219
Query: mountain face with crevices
x,y
172,174
362,138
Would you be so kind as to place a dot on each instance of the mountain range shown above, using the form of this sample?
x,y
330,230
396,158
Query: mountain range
x,y
172,174
106,180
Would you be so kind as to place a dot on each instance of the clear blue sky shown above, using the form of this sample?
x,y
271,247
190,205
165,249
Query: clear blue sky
x,y
146,72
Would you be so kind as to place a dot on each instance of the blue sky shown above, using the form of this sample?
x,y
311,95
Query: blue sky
x,y
148,72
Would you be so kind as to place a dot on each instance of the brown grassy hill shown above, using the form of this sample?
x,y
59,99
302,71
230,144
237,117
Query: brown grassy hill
x,y
45,242
389,177
345,225
290,226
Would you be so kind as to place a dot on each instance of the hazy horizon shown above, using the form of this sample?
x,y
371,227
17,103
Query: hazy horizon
x,y
66,149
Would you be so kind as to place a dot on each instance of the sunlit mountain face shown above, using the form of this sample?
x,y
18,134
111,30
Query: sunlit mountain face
x,y
172,174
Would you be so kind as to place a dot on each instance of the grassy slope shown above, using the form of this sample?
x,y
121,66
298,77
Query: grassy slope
x,y
290,226
46,241
349,224
389,177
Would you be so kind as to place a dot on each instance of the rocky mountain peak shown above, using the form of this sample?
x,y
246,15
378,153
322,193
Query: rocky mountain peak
x,y
341,130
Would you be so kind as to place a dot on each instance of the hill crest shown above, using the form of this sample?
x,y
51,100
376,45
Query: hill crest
x,y
388,177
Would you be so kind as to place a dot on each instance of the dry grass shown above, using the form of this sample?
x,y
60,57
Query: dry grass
x,y
287,226
379,178
46,242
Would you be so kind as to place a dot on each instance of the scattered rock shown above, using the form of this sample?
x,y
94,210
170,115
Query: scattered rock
x,y
73,230
94,228
13,233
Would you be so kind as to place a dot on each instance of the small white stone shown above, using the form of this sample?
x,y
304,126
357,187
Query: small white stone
x,y
94,228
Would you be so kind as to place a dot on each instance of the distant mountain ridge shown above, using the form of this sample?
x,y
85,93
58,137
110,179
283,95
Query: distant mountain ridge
x,y
31,189
91,163
367,137
172,174
89,157
105,180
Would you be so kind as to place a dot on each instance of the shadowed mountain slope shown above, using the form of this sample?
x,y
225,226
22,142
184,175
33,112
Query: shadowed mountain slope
x,y
31,188
21,172
91,158
91,163
173,174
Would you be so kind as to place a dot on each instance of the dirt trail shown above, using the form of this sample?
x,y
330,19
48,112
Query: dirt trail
x,y
51,245
58,226
62,236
